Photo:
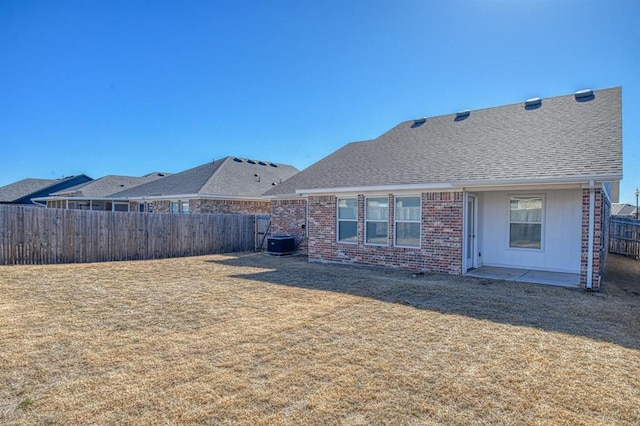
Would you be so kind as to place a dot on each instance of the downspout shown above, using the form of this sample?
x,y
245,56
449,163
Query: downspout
x,y
592,205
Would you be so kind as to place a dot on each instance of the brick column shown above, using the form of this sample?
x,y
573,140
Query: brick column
x,y
597,239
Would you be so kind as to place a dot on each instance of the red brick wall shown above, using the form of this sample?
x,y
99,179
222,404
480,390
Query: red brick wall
x,y
290,217
229,206
598,238
441,236
217,206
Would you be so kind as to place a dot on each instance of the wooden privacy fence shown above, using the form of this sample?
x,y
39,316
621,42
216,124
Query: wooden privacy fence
x,y
624,236
32,235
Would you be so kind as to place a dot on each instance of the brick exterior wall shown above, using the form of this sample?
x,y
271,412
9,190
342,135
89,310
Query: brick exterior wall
x,y
602,207
441,236
290,217
217,206
229,206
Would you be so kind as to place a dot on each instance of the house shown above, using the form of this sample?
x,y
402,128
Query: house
x,y
525,186
26,190
97,194
624,210
227,185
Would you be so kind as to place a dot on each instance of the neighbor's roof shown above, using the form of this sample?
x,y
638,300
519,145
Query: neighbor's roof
x,y
563,138
25,189
228,176
108,185
622,209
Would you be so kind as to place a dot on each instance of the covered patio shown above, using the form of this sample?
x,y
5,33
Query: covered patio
x,y
559,279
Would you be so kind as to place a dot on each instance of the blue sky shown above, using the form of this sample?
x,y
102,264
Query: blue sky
x,y
131,87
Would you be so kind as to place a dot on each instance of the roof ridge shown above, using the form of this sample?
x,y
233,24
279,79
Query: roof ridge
x,y
504,105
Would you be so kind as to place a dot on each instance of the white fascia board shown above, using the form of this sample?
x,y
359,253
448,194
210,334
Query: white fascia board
x,y
460,185
283,197
540,181
378,188
194,196
116,199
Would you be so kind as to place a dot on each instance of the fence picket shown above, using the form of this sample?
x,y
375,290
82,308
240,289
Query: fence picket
x,y
33,235
624,236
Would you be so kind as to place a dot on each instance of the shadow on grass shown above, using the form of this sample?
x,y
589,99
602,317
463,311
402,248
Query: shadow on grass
x,y
594,315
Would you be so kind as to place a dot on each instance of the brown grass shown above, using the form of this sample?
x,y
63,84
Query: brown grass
x,y
253,339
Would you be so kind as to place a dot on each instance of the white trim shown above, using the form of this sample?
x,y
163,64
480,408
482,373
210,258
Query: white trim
x,y
542,196
395,221
489,184
346,220
380,188
373,197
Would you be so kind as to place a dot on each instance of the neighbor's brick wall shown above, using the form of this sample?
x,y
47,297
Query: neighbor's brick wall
x,y
290,217
217,206
161,206
229,206
441,239
598,238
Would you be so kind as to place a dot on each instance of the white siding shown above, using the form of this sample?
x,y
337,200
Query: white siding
x,y
561,232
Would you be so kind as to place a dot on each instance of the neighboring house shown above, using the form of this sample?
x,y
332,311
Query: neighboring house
x,y
25,190
524,186
623,210
97,194
227,185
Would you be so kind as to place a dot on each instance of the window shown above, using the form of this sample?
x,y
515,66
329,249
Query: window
x,y
185,207
120,207
407,221
376,218
525,222
348,220
175,207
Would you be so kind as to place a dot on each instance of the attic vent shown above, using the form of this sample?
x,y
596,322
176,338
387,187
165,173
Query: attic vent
x,y
420,120
462,115
273,165
533,103
262,163
584,95
237,160
273,184
251,162
161,174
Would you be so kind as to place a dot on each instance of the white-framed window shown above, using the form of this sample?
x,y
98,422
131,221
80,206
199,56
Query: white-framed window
x,y
407,221
376,219
185,207
525,221
120,207
348,220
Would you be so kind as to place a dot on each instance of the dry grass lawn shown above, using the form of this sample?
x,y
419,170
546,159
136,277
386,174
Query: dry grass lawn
x,y
253,339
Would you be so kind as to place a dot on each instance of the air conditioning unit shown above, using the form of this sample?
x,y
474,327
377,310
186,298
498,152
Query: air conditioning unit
x,y
278,245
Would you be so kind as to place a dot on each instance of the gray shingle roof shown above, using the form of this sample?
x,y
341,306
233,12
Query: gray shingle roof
x,y
228,176
563,138
108,185
25,190
22,188
621,209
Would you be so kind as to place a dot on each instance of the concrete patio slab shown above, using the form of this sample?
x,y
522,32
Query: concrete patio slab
x,y
526,276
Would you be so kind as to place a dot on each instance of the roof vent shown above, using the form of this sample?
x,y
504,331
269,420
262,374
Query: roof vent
x,y
461,115
532,103
584,95
273,165
251,162
262,163
418,122
237,160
